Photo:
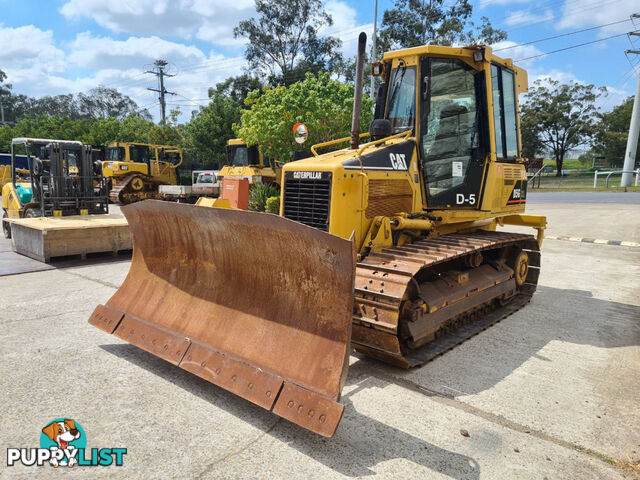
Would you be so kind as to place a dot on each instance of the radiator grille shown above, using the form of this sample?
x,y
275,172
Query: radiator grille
x,y
307,200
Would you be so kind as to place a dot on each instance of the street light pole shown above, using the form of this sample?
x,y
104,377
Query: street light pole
x,y
632,140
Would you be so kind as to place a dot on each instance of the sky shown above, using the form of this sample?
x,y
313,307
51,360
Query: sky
x,y
50,47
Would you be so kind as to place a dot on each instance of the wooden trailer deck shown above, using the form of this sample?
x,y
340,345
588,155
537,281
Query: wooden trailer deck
x,y
45,238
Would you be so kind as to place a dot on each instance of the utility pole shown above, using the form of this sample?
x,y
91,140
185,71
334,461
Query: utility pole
x,y
374,52
634,132
158,71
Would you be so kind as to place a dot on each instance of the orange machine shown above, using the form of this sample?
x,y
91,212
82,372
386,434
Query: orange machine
x,y
236,190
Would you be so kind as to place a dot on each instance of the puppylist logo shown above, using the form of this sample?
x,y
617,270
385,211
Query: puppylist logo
x,y
63,443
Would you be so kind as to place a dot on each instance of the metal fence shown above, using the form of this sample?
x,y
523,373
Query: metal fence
x,y
614,172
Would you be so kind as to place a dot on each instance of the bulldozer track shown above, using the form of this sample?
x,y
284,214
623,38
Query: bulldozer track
x,y
122,194
382,291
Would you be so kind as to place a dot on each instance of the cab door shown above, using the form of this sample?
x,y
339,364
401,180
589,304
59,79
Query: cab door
x,y
452,132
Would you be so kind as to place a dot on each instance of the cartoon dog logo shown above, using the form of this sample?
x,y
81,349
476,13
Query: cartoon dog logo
x,y
62,433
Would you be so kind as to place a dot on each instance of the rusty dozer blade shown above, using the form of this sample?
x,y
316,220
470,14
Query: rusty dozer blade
x,y
254,303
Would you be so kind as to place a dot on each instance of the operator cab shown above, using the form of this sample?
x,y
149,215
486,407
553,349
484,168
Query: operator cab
x,y
444,101
240,155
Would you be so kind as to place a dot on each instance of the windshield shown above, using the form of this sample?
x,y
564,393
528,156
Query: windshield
x,y
114,154
205,178
401,107
239,155
72,160
139,153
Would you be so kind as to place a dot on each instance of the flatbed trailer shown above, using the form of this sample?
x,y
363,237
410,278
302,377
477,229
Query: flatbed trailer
x,y
203,184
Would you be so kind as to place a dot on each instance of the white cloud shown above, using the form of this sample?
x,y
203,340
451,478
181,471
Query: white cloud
x,y
208,20
42,67
522,17
98,52
343,15
561,76
509,49
28,49
587,13
38,67
613,96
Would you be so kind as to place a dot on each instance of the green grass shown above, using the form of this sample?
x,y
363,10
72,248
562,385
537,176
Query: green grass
x,y
567,164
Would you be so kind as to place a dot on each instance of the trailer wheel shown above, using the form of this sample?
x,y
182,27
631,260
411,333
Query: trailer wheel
x,y
6,226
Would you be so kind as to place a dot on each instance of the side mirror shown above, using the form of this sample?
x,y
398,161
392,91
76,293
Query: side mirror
x,y
380,128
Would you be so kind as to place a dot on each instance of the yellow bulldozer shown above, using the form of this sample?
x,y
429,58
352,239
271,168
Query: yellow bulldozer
x,y
136,170
389,246
248,162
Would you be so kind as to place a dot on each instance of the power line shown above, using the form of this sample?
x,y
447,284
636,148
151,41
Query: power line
x,y
569,48
561,35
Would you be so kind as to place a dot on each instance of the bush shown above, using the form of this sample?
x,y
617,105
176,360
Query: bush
x,y
273,205
259,194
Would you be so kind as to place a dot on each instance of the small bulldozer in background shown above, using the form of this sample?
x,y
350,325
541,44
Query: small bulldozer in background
x,y
248,162
136,170
390,246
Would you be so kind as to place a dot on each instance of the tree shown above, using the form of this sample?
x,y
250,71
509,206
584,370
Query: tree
x,y
322,104
283,40
5,88
107,102
210,127
97,102
5,91
418,22
612,132
560,116
237,87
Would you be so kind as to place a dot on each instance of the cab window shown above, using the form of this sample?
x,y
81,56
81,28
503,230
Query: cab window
x,y
139,153
114,154
504,112
239,156
449,131
401,105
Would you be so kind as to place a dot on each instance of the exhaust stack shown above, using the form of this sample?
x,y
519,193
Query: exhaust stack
x,y
357,94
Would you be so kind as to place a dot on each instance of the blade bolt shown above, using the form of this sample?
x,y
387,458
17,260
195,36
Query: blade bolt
x,y
268,393
290,404
203,364
322,418
234,378
250,386
217,371
311,413
300,408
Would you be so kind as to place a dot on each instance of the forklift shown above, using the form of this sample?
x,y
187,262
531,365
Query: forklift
x,y
61,179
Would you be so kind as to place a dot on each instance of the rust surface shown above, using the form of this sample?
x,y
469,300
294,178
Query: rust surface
x,y
309,410
260,297
105,318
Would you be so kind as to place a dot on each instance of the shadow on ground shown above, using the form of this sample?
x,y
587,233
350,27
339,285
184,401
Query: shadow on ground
x,y
362,442
566,315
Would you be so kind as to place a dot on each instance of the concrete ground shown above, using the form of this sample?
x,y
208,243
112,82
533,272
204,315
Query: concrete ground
x,y
550,392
